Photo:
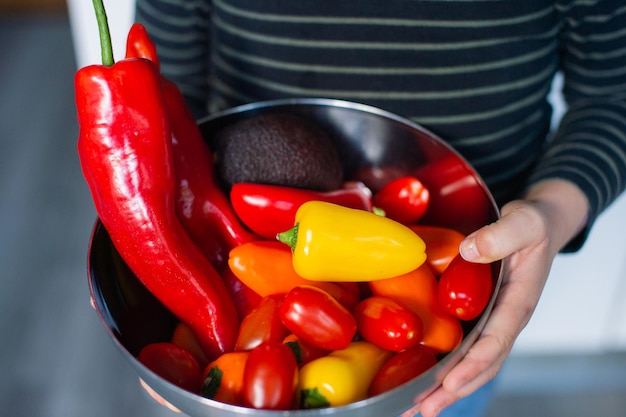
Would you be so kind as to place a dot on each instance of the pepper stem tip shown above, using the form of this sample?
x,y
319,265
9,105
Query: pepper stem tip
x,y
289,237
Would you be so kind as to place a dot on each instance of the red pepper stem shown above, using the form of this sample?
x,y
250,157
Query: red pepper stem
x,y
105,34
289,237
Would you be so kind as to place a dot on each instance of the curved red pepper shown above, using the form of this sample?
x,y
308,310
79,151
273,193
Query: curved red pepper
x,y
125,153
270,209
201,205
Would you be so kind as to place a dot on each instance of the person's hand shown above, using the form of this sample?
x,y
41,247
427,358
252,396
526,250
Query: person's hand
x,y
528,236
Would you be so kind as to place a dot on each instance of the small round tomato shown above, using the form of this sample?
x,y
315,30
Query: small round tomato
x,y
317,318
465,288
404,200
172,363
402,367
270,377
387,324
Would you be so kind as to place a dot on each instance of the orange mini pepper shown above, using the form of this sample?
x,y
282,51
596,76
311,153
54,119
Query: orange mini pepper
x,y
223,378
417,290
442,245
266,267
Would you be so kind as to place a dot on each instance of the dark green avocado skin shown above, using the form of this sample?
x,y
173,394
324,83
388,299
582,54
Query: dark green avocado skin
x,y
280,149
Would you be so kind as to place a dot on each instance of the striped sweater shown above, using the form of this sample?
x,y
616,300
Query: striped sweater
x,y
476,73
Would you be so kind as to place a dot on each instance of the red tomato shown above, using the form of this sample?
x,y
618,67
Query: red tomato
x,y
262,324
404,200
172,363
417,290
387,324
465,288
270,377
318,318
402,367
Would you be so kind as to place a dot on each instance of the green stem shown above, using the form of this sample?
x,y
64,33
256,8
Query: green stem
x,y
105,35
289,237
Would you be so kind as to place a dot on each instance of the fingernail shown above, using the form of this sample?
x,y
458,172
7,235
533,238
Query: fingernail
x,y
468,249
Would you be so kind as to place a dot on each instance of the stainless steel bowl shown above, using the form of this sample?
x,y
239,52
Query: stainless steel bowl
x,y
369,141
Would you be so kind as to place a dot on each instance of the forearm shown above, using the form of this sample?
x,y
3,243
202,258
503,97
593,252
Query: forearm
x,y
565,207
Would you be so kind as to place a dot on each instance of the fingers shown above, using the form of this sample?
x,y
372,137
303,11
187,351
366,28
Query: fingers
x,y
521,226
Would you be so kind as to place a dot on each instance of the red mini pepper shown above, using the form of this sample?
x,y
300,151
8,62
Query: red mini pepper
x,y
270,209
125,153
201,205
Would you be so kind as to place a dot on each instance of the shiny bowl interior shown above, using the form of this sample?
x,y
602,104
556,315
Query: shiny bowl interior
x,y
367,138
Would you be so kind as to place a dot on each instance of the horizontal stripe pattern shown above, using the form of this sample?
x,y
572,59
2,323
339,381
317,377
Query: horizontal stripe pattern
x,y
477,73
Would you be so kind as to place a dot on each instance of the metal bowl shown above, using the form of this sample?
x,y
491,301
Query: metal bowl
x,y
370,142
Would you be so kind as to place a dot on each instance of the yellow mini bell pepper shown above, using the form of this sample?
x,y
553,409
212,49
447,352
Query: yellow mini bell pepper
x,y
341,377
335,243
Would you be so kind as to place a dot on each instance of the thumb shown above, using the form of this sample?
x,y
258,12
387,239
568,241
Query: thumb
x,y
521,226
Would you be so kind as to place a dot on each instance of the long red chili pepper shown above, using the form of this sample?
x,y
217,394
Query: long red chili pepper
x,y
269,209
201,205
126,156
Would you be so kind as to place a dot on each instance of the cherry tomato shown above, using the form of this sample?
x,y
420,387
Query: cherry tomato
x,y
404,200
317,318
184,337
262,324
417,290
465,288
304,351
387,324
402,367
270,377
442,245
172,363
223,378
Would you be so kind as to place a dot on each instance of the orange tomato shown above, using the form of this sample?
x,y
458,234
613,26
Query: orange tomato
x,y
417,290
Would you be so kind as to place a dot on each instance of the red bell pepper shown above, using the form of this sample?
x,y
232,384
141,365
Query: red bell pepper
x,y
201,205
125,152
270,209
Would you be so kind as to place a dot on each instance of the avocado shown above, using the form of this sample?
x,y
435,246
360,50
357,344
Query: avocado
x,y
280,149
